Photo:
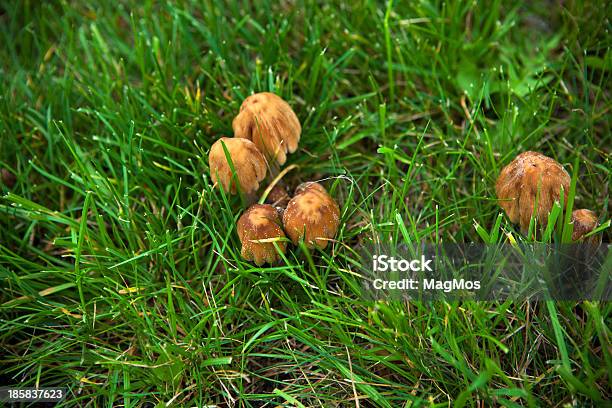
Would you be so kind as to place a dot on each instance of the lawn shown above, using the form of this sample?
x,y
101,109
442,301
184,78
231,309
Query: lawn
x,y
120,270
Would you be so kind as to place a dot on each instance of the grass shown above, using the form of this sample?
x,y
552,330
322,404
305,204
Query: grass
x,y
120,268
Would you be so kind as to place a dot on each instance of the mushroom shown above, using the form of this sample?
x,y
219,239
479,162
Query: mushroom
x,y
258,228
268,121
248,162
311,215
528,177
310,185
584,222
278,197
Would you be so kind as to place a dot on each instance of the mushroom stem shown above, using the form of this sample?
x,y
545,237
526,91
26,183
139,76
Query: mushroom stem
x,y
275,181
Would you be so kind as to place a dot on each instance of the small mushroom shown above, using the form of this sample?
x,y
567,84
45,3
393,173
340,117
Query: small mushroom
x,y
258,228
311,215
278,197
584,222
268,121
249,163
528,177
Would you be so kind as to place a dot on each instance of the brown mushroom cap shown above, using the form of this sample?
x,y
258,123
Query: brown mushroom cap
x,y
311,215
268,121
249,163
519,182
584,222
260,222
278,197
310,185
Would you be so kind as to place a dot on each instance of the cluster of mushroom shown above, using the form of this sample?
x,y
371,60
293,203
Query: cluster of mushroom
x,y
265,131
530,185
